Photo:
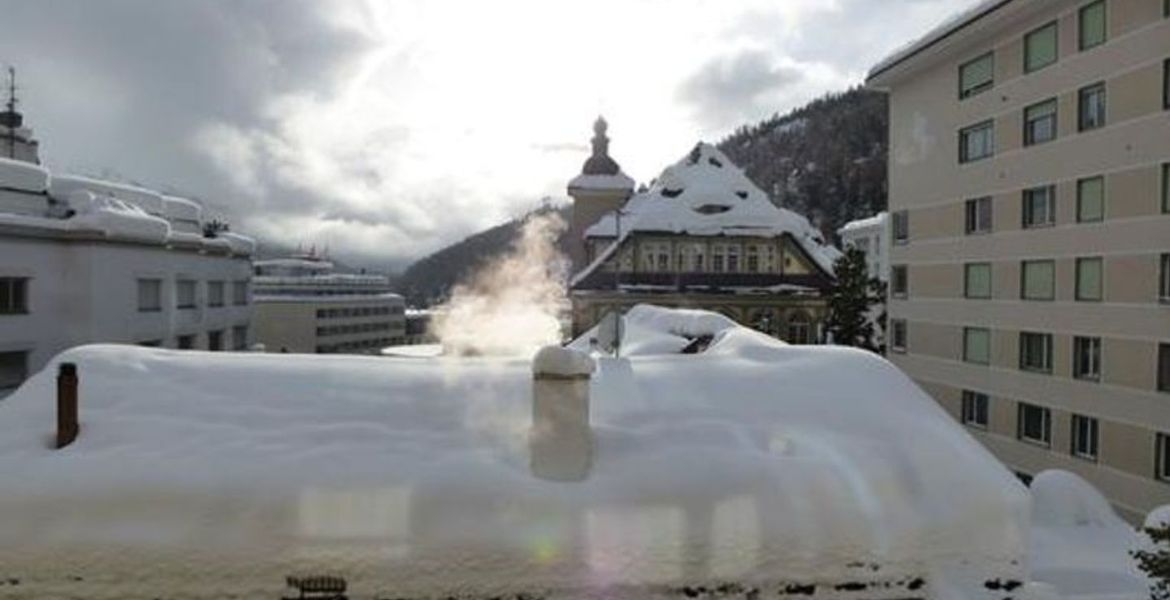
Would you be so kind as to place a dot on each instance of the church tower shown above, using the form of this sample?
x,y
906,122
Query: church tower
x,y
601,188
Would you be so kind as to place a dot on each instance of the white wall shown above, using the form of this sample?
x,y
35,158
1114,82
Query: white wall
x,y
86,291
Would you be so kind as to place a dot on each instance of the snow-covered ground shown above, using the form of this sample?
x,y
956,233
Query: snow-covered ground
x,y
752,464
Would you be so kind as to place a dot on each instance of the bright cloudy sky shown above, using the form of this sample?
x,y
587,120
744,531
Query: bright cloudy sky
x,y
386,129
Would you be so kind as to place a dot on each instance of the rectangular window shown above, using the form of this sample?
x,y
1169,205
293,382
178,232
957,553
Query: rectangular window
x,y
1040,122
1162,459
1166,84
733,259
1091,107
1034,424
240,337
753,259
976,75
1092,25
1164,279
1036,352
899,281
1090,199
1166,188
13,369
975,407
185,294
1039,206
215,295
1040,48
977,345
13,295
215,340
977,280
1084,437
240,293
1089,279
898,335
149,295
1037,280
185,342
977,142
901,226
717,258
1087,358
1164,367
978,216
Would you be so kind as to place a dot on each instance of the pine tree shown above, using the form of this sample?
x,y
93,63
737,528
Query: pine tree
x,y
1156,561
850,301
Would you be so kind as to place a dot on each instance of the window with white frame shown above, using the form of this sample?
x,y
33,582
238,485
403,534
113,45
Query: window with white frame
x,y
1036,352
975,408
718,255
149,295
752,258
899,281
1034,423
901,226
1084,437
733,258
1087,358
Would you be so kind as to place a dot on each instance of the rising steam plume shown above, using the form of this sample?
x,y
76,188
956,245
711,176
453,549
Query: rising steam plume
x,y
514,304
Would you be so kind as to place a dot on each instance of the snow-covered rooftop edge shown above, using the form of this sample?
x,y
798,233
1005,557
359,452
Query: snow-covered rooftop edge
x,y
952,24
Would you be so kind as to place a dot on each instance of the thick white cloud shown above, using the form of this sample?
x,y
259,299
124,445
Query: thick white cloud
x,y
388,129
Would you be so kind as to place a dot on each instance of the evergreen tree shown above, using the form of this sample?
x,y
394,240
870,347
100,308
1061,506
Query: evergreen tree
x,y
850,301
1156,561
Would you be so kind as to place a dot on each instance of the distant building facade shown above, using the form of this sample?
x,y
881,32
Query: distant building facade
x,y
701,236
303,306
1030,205
871,236
86,261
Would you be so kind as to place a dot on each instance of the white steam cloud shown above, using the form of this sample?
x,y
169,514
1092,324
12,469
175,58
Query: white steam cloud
x,y
513,305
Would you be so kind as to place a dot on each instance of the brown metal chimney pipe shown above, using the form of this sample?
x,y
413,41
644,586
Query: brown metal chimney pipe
x,y
67,425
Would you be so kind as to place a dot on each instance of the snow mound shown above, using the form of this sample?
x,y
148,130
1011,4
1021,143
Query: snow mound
x,y
150,201
1079,544
115,219
648,330
555,360
1159,517
705,194
23,176
762,463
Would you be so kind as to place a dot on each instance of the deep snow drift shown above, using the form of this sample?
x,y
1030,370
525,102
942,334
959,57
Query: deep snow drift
x,y
752,462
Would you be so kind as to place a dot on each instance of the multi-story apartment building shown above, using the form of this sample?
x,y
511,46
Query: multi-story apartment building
x,y
303,306
1030,204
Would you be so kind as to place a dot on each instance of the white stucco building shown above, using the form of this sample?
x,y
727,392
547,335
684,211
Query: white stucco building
x,y
85,261
303,306
871,235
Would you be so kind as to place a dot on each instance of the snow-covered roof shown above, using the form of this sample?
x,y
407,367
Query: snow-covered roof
x,y
936,35
751,462
61,186
876,221
705,194
181,209
23,176
305,264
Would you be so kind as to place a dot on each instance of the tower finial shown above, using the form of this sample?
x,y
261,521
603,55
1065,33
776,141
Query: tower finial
x,y
599,163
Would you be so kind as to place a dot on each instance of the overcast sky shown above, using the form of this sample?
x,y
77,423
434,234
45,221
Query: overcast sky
x,y
388,129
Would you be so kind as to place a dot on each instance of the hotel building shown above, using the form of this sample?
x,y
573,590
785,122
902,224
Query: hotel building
x,y
1029,190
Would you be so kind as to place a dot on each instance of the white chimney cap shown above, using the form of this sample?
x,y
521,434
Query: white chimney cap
x,y
562,362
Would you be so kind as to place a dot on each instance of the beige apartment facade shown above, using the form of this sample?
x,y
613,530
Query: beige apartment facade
x,y
1030,203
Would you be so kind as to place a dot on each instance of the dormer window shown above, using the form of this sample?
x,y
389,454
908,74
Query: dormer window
x,y
712,209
